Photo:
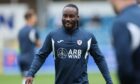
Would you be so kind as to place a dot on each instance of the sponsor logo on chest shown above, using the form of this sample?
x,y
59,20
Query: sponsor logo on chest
x,y
71,54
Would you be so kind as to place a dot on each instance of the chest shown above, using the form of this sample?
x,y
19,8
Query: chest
x,y
70,46
70,41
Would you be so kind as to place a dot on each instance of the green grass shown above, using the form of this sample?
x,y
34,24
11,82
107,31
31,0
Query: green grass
x,y
94,78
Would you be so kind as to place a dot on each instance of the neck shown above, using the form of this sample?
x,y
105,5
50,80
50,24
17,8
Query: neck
x,y
123,5
29,24
70,31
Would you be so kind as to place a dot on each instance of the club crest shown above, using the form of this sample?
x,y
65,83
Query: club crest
x,y
79,42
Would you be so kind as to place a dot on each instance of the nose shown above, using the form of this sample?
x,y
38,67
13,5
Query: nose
x,y
68,19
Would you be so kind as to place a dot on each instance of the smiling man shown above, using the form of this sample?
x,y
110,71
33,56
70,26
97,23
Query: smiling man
x,y
70,51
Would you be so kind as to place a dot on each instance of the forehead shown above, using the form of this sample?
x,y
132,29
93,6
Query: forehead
x,y
69,10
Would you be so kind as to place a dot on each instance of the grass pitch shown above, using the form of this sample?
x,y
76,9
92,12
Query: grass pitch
x,y
94,78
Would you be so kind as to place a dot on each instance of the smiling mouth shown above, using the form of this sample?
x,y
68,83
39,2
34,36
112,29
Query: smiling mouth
x,y
68,24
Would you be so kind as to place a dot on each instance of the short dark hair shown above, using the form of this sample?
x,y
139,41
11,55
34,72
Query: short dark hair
x,y
74,6
29,14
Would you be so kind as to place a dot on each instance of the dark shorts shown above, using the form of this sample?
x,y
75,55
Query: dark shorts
x,y
24,62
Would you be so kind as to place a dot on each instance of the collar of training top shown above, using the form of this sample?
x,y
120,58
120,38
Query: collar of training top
x,y
70,31
127,8
28,26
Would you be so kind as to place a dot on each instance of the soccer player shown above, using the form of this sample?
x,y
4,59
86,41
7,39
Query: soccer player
x,y
126,40
28,39
70,46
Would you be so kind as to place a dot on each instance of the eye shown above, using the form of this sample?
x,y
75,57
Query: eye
x,y
65,15
71,16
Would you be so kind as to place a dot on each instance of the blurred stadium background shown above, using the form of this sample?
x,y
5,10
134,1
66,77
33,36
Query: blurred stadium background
x,y
95,15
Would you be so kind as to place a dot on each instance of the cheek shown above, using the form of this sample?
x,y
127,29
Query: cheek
x,y
75,21
64,19
35,19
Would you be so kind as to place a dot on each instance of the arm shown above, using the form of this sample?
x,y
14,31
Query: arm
x,y
99,60
122,45
40,57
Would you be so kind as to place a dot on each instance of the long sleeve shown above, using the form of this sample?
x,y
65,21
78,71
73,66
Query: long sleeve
x,y
41,56
122,45
99,60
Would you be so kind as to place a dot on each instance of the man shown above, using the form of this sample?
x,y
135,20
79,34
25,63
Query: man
x,y
28,39
70,51
126,40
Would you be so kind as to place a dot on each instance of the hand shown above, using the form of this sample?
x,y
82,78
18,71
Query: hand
x,y
29,80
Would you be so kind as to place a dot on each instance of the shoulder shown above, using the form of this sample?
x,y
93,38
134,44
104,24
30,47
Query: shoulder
x,y
119,24
129,14
84,32
120,28
87,34
22,30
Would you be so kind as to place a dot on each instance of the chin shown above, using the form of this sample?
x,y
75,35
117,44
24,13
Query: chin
x,y
68,27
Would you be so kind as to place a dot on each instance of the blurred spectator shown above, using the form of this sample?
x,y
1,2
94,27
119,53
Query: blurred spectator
x,y
94,22
126,40
28,38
